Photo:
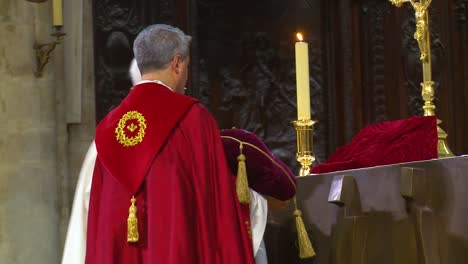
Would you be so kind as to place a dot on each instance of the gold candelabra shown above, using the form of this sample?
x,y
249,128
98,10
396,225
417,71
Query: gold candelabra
x,y
422,36
305,153
43,51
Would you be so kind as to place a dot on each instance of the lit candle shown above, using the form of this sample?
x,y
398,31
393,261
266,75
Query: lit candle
x,y
302,79
57,9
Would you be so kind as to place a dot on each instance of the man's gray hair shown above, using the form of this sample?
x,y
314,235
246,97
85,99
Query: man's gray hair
x,y
156,46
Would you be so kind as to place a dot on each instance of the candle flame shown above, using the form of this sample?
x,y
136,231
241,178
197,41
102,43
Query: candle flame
x,y
299,36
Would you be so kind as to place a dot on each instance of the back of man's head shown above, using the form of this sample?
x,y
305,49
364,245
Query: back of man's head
x,y
156,46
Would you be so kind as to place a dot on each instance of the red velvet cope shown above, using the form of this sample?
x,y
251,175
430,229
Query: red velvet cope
x,y
188,211
156,103
389,142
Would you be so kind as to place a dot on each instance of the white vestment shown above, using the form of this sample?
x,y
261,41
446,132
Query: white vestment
x,y
74,251
258,220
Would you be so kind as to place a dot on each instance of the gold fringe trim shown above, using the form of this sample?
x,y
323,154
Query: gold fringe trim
x,y
132,223
242,182
305,246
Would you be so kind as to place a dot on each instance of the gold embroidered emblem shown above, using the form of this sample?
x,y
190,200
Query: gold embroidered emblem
x,y
136,131
132,127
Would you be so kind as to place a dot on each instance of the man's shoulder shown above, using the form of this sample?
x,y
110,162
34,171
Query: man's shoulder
x,y
153,92
199,111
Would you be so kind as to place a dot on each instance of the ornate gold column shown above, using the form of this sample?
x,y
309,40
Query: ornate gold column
x,y
422,36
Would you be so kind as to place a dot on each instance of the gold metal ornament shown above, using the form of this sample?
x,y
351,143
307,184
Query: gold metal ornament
x,y
123,127
305,153
43,51
422,36
398,3
427,93
132,223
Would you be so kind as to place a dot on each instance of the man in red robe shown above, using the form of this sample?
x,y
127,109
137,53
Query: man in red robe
x,y
162,191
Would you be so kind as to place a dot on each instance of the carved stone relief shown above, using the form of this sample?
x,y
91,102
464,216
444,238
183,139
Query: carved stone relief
x,y
461,11
376,12
116,25
166,8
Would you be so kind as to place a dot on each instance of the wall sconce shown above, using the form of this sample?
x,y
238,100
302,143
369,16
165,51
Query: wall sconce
x,y
43,51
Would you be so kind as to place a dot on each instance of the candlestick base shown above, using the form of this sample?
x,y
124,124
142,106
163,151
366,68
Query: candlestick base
x,y
305,154
442,147
305,162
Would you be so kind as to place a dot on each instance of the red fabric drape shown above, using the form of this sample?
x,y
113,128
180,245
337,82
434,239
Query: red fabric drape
x,y
389,142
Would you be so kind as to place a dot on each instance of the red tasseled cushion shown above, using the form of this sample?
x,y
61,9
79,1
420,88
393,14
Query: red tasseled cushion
x,y
266,177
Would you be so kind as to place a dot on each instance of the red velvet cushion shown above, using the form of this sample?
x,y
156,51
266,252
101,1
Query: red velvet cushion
x,y
267,174
389,142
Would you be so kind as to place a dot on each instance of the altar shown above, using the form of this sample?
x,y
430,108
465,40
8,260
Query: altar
x,y
403,213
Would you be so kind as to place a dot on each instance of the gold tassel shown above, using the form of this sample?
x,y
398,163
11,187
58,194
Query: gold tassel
x,y
305,246
132,223
242,183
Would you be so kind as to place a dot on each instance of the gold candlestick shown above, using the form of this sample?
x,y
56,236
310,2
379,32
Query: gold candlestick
x,y
422,36
305,138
